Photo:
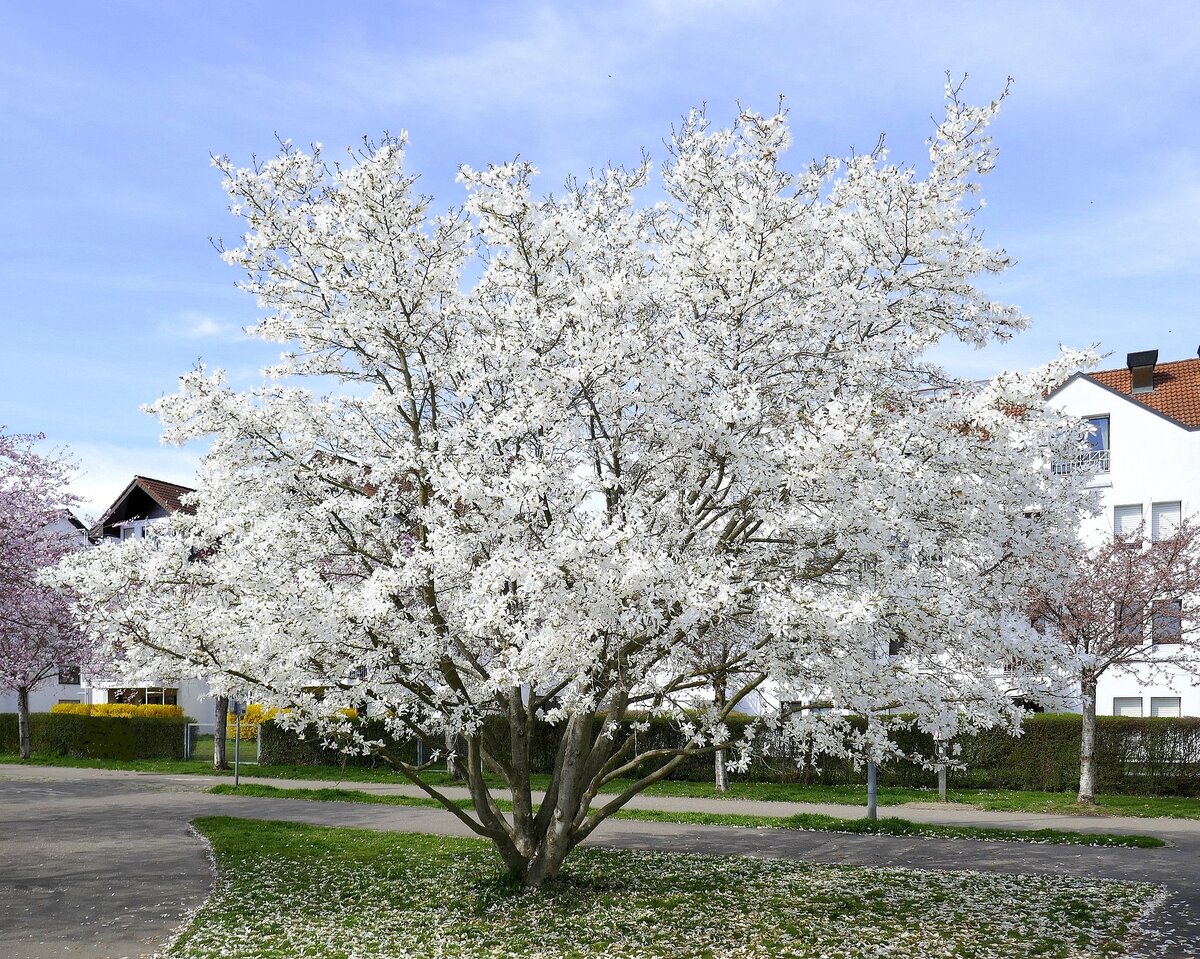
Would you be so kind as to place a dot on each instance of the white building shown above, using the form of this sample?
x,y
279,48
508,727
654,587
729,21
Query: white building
x,y
1146,459
143,502
66,684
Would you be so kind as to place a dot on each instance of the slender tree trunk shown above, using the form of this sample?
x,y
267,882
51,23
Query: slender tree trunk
x,y
720,698
1087,745
722,778
222,726
454,767
23,719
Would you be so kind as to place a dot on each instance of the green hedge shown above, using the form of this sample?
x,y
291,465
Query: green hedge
x,y
280,746
1148,756
285,747
1137,756
97,737
1133,756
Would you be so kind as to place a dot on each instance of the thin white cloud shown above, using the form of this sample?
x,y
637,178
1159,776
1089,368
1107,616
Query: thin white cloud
x,y
200,326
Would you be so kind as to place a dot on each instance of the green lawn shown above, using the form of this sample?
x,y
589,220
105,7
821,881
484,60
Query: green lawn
x,y
289,890
1005,800
813,822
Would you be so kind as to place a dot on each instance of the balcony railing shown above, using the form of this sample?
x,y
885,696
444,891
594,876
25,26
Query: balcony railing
x,y
1093,461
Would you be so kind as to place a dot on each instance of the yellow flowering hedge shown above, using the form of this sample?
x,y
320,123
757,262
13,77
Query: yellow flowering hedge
x,y
118,710
256,715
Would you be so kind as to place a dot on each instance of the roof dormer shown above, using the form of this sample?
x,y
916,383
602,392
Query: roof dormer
x,y
1141,371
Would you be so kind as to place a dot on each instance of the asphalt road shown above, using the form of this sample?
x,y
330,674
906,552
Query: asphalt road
x,y
102,865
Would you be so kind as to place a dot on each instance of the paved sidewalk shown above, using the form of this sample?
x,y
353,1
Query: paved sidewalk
x,y
99,864
950,814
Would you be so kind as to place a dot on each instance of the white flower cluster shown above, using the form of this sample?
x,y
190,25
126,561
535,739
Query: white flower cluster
x,y
428,897
587,456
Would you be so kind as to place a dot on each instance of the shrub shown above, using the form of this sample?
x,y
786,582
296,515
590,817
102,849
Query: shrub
x,y
98,737
251,723
72,709
1137,756
117,710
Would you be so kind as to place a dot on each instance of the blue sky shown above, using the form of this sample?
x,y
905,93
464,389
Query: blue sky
x,y
110,112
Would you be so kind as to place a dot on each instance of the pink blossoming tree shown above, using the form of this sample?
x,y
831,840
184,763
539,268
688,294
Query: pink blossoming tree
x,y
37,635
1130,608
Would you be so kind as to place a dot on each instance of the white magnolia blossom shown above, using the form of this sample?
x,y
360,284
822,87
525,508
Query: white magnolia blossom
x,y
552,445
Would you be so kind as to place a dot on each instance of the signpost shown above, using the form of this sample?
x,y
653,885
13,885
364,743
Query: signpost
x,y
941,755
238,708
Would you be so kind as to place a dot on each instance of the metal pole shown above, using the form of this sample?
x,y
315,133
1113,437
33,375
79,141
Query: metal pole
x,y
872,791
941,770
237,742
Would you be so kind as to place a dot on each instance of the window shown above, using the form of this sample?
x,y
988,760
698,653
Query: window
x,y
1167,706
1095,459
895,646
1167,618
1127,519
162,697
68,675
73,701
1164,520
1127,705
1097,439
1131,624
158,695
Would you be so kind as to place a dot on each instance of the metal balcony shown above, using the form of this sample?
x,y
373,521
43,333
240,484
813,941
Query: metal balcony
x,y
1093,461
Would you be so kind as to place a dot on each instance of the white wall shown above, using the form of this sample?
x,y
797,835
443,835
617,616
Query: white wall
x,y
193,697
1152,460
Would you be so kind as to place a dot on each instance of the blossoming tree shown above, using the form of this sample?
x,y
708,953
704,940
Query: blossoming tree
x,y
552,443
37,631
1130,607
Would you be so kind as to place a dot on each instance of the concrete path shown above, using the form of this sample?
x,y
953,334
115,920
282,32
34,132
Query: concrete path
x,y
100,864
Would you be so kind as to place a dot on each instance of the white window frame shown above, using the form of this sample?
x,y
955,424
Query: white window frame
x,y
1165,518
1126,518
1174,705
1123,702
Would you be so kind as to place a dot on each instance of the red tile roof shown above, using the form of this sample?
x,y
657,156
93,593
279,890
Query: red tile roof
x,y
1176,392
167,495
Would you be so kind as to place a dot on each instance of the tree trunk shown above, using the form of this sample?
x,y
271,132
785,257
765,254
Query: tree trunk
x,y
722,773
23,719
1087,744
222,726
720,699
454,767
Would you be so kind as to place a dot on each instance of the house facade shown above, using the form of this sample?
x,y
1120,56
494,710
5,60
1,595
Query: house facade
x,y
1145,461
143,502
67,683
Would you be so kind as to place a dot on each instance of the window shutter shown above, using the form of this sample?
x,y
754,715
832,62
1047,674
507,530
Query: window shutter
x,y
1127,706
1167,706
1126,520
1164,520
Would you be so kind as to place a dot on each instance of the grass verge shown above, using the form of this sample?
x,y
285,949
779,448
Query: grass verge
x,y
290,890
888,826
998,800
